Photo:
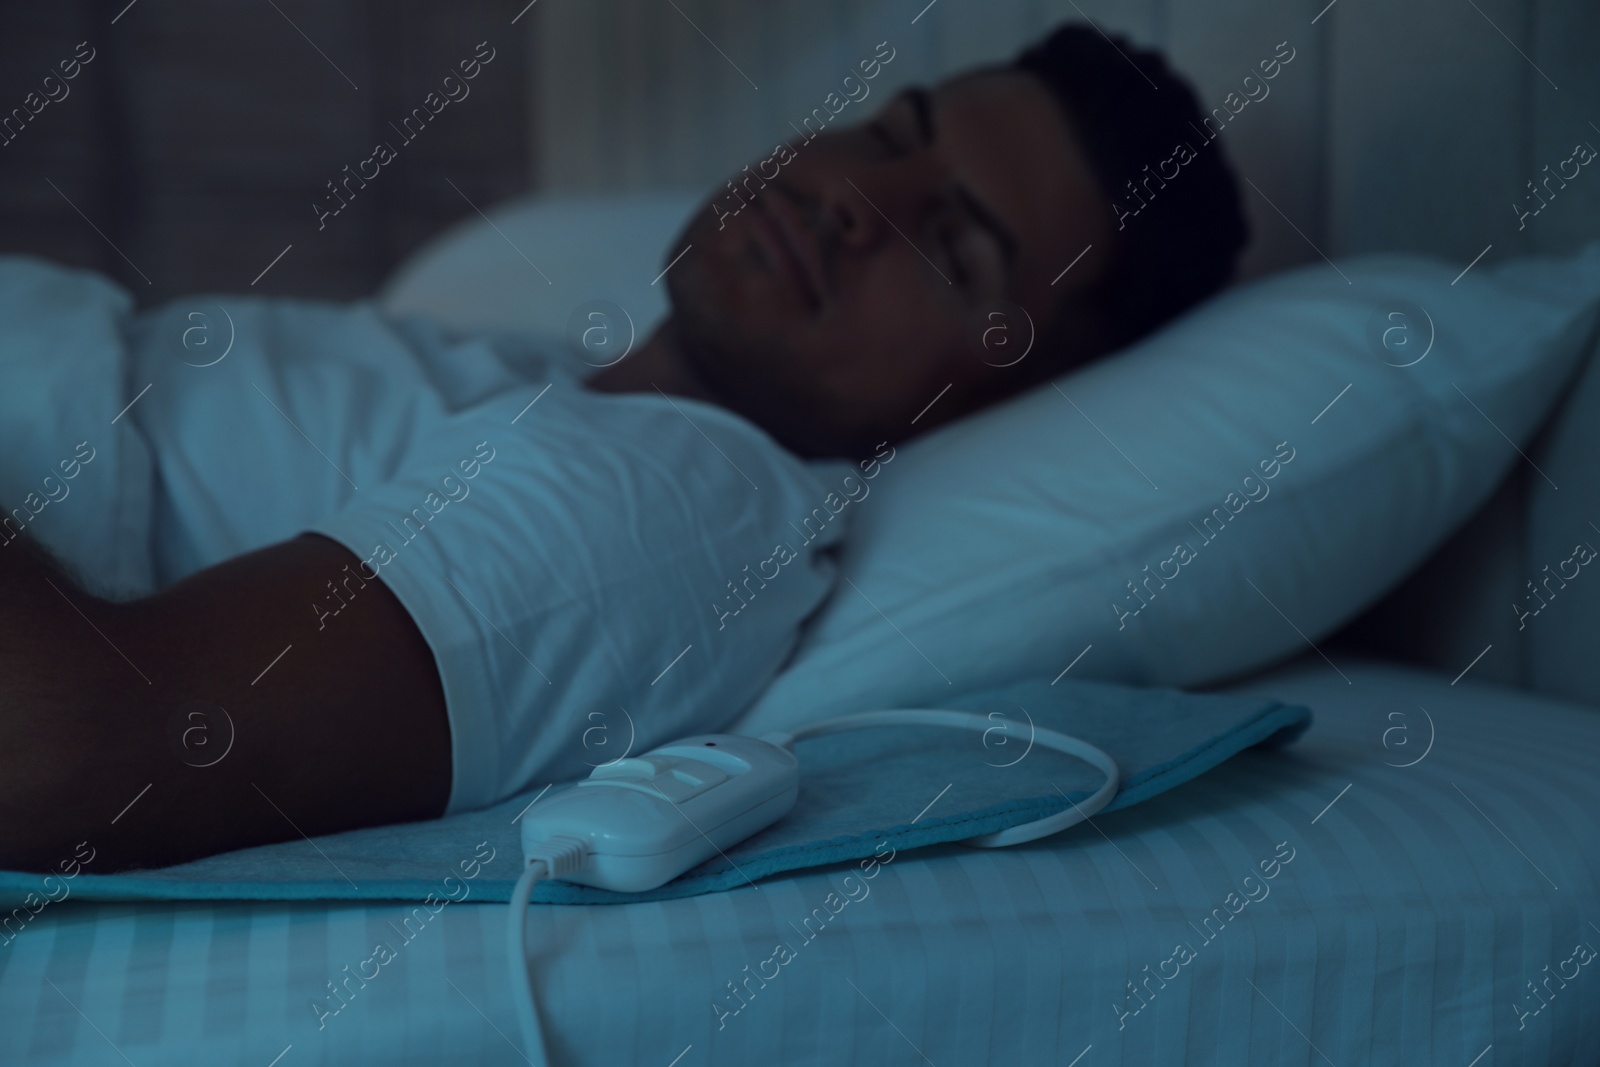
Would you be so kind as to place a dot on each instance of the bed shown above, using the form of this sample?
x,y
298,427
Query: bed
x,y
1435,896
1413,881
1437,845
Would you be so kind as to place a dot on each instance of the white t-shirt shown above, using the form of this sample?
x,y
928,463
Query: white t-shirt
x,y
590,570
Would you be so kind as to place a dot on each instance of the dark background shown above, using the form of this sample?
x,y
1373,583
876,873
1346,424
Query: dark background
x,y
202,132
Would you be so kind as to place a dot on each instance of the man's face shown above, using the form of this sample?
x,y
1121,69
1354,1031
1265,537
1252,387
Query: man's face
x,y
842,298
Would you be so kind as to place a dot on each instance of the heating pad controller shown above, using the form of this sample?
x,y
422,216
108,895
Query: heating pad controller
x,y
646,819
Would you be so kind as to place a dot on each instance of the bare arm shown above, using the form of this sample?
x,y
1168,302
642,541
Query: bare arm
x,y
100,700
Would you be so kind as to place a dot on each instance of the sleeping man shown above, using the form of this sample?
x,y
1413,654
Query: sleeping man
x,y
352,570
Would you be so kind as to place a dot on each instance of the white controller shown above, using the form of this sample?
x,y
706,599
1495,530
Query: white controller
x,y
646,819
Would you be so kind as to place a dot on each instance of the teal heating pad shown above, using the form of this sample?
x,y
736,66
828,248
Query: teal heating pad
x,y
861,793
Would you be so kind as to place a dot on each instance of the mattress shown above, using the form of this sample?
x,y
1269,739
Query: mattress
x,y
1414,882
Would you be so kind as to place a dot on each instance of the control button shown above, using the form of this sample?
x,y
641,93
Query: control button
x,y
700,775
662,787
636,785
677,780
674,789
718,757
633,767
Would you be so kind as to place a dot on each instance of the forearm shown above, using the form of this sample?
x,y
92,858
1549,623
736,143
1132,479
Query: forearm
x,y
213,716
59,681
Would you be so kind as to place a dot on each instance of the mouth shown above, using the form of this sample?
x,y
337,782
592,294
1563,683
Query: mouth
x,y
793,252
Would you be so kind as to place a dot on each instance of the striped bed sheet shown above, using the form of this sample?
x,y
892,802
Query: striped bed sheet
x,y
1412,883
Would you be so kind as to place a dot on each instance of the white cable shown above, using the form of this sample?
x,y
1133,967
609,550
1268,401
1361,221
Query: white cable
x,y
517,954
560,855
966,720
551,859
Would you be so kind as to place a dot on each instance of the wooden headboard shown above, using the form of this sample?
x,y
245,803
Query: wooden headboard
x,y
1411,125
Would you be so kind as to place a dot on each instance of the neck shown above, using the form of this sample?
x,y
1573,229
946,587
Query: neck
x,y
658,364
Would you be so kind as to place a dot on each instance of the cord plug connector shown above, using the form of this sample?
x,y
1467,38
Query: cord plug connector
x,y
560,855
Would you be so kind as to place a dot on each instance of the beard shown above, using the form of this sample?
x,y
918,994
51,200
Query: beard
x,y
752,371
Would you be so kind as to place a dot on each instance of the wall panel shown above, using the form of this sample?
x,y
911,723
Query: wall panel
x,y
1409,126
1276,141
1428,111
1566,47
197,141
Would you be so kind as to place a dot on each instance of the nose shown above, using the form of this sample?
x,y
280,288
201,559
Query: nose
x,y
865,204
853,212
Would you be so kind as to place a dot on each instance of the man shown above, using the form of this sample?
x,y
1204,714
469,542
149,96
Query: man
x,y
837,315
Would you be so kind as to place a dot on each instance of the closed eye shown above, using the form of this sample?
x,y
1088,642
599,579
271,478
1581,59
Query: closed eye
x,y
957,266
912,107
879,131
976,262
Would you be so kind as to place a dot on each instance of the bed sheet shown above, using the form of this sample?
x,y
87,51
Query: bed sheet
x,y
1414,882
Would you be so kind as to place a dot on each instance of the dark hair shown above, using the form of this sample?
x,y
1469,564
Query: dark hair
x,y
1130,112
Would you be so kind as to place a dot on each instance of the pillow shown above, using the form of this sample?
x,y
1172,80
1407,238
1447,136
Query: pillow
x,y
1555,605
1004,545
1454,606
532,263
1222,494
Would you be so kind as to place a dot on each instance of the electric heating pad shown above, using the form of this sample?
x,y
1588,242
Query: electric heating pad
x,y
859,794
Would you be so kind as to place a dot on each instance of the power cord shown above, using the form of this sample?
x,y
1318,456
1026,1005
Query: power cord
x,y
738,787
966,720
552,859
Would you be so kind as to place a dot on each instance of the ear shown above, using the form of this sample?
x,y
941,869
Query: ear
x,y
1075,334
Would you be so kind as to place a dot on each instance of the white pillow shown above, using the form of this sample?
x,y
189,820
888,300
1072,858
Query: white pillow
x,y
1558,622
998,547
532,262
994,548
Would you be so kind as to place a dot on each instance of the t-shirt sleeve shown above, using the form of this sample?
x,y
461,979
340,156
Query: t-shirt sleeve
x,y
596,574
